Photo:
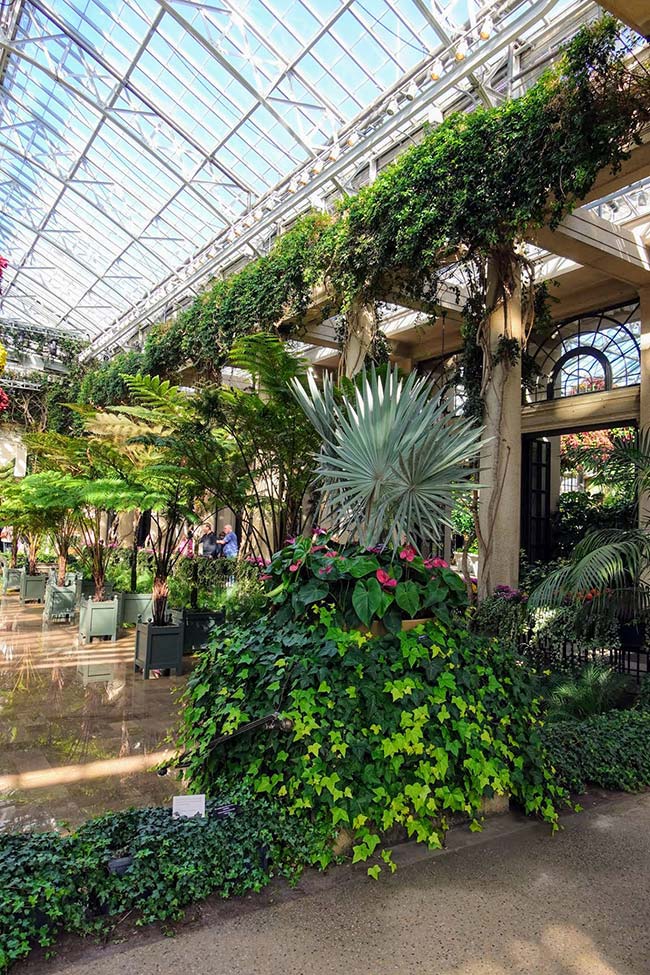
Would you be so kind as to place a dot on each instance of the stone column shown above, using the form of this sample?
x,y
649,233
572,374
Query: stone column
x,y
644,404
360,325
500,498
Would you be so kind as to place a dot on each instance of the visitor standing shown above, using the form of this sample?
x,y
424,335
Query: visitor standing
x,y
209,544
230,546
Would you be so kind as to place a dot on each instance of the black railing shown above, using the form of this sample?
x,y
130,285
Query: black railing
x,y
571,655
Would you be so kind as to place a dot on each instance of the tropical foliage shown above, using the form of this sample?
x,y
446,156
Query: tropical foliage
x,y
366,586
403,731
392,461
607,572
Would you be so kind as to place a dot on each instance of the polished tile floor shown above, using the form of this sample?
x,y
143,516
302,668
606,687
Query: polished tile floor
x,y
79,730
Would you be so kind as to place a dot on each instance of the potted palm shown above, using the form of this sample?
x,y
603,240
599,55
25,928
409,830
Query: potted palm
x,y
30,522
55,496
99,614
176,458
392,462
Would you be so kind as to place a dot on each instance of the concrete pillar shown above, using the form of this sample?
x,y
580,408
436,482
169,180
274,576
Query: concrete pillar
x,y
556,473
644,404
500,499
360,326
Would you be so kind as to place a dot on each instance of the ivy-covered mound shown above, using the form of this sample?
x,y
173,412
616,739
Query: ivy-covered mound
x,y
53,883
405,730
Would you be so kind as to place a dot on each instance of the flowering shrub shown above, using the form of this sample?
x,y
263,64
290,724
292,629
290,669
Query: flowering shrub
x,y
365,585
4,400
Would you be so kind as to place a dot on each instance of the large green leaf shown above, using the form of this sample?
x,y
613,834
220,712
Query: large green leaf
x,y
367,600
407,597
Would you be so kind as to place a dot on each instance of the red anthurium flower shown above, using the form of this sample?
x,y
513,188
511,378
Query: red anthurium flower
x,y
436,563
265,577
408,553
325,570
330,555
295,566
319,548
385,580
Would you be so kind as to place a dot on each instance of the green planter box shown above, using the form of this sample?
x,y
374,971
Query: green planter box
x,y
135,607
62,602
158,648
99,619
198,625
10,578
32,588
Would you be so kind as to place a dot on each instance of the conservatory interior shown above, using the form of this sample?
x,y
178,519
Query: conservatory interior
x,y
324,463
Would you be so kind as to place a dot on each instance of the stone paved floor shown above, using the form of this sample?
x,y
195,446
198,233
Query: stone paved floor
x,y
513,900
78,728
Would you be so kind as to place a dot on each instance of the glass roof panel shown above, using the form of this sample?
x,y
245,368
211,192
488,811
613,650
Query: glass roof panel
x,y
135,135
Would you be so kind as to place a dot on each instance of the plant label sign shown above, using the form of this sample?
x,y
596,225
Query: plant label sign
x,y
188,806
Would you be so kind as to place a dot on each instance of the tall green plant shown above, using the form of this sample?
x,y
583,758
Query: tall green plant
x,y
271,463
609,569
392,461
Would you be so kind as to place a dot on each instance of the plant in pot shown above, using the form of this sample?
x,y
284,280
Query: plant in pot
x,y
198,589
391,465
175,459
57,497
31,523
99,615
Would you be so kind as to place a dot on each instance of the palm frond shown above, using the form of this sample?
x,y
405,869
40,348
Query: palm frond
x,y
391,457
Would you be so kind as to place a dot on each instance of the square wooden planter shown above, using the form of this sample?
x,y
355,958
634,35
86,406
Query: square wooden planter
x,y
198,625
61,602
158,648
99,619
10,579
32,588
135,607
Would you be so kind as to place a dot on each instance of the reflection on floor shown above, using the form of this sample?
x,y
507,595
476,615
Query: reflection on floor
x,y
78,728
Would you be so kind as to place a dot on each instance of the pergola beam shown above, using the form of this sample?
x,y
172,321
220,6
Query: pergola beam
x,y
634,13
589,240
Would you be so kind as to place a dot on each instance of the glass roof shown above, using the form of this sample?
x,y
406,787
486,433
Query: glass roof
x,y
138,134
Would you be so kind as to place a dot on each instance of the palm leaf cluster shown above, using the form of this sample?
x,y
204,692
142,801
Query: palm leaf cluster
x,y
609,571
392,460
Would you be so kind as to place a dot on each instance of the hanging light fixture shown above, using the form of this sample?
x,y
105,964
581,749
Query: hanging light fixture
x,y
392,107
257,215
437,70
487,29
461,49
303,179
335,151
412,91
352,139
248,220
317,167
293,185
435,116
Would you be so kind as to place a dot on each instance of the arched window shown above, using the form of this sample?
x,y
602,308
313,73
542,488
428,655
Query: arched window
x,y
589,354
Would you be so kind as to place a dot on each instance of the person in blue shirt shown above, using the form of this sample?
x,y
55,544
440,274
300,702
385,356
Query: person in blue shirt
x,y
230,544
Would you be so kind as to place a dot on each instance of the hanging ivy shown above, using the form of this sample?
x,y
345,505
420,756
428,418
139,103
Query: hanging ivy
x,y
479,182
475,187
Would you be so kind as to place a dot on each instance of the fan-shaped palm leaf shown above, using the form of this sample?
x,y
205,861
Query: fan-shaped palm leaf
x,y
392,460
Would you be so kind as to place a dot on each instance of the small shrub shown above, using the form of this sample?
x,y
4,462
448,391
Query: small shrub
x,y
611,751
52,883
595,690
